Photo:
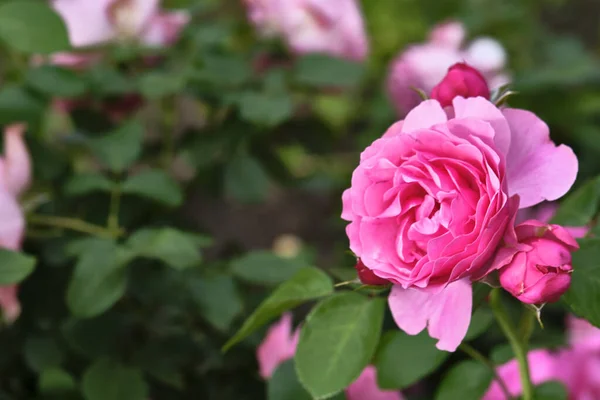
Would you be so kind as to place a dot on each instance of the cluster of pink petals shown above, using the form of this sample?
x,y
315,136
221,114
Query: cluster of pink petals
x,y
577,366
15,177
98,22
422,66
279,346
433,199
332,27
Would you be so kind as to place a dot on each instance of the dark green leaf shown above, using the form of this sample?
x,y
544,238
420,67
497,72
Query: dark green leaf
x,y
397,345
177,249
480,322
583,295
18,105
325,71
264,108
83,184
155,85
552,390
265,267
120,148
42,353
15,266
55,81
108,380
224,70
156,185
99,280
468,380
110,82
284,384
246,180
337,342
307,284
32,27
579,207
218,299
56,380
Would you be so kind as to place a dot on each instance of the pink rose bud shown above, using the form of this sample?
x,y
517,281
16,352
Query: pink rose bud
x,y
540,271
461,80
367,276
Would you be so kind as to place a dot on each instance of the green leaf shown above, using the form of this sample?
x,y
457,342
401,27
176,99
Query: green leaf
x,y
246,180
98,282
155,85
224,70
307,284
265,267
42,353
120,148
108,81
480,322
337,342
18,105
83,184
218,299
55,81
108,380
265,109
552,390
325,71
56,380
155,185
468,380
397,345
15,266
32,27
177,249
284,384
579,207
583,295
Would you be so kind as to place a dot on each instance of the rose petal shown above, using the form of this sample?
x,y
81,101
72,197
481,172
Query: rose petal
x,y
278,346
425,115
365,388
537,169
446,312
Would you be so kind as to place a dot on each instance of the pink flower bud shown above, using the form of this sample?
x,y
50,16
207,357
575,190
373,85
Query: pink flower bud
x,y
540,271
461,80
367,276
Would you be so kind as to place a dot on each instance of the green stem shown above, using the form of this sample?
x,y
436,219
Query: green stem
x,y
168,131
72,224
527,324
519,347
476,355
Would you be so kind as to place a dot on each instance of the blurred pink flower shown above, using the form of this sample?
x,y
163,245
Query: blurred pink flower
x,y
279,345
15,177
92,23
431,200
582,334
333,27
542,368
422,66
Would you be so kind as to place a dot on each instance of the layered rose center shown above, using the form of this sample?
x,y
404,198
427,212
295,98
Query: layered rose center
x,y
429,197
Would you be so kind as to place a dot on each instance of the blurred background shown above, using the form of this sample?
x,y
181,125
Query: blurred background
x,y
222,140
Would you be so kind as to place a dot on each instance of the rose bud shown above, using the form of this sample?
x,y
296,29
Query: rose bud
x,y
367,276
540,270
461,80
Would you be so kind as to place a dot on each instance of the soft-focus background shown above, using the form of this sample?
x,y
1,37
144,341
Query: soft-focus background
x,y
222,141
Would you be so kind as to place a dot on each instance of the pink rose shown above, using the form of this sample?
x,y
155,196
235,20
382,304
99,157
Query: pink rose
x,y
15,177
431,200
423,66
333,27
542,368
540,271
582,334
93,23
279,345
461,80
